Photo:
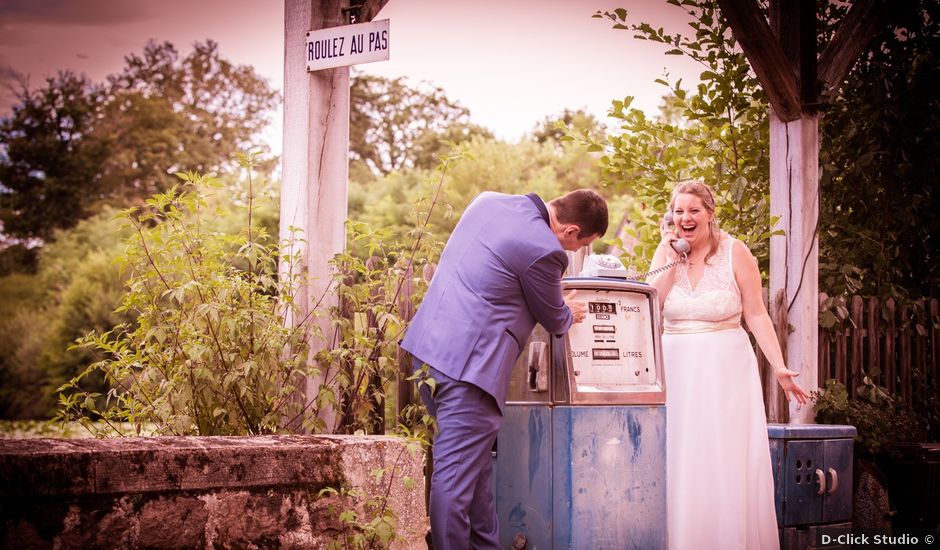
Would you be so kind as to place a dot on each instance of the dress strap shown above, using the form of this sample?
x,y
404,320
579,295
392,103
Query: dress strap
x,y
730,251
734,281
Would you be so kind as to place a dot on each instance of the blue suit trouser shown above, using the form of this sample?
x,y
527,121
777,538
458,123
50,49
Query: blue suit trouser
x,y
462,505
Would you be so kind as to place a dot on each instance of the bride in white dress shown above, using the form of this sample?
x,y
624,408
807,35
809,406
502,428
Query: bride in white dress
x,y
718,470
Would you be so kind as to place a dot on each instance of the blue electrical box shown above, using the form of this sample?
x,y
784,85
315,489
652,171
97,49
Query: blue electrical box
x,y
581,455
812,465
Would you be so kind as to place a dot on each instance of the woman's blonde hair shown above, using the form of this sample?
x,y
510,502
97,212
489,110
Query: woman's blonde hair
x,y
704,193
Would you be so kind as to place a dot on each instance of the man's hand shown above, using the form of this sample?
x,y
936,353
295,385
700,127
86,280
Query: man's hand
x,y
578,309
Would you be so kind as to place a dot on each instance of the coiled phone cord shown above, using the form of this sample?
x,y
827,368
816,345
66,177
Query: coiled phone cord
x,y
667,267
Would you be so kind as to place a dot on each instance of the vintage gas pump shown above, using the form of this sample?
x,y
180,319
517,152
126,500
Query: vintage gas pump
x,y
581,456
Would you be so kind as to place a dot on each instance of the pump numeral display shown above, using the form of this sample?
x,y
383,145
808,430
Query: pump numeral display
x,y
602,307
605,354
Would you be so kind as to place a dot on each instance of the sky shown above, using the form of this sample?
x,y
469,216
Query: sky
x,y
512,63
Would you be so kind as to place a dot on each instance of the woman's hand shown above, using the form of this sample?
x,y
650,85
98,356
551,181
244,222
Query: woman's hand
x,y
785,377
669,235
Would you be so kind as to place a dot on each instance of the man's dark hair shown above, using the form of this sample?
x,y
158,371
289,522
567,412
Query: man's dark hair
x,y
584,208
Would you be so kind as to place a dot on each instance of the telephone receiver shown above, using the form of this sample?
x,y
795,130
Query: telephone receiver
x,y
681,246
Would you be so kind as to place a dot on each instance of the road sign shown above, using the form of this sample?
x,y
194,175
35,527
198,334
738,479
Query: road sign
x,y
347,45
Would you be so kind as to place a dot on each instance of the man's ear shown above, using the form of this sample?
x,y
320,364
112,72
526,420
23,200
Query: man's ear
x,y
573,230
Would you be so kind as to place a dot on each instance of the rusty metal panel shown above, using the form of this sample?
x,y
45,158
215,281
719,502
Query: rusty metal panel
x,y
523,476
609,477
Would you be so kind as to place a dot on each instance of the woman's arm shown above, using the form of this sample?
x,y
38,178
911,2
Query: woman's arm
x,y
747,275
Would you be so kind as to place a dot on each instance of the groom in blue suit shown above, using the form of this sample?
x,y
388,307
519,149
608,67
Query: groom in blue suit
x,y
499,274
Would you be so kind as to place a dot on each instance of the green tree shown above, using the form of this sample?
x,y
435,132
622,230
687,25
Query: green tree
x,y
22,394
169,114
207,352
75,290
394,125
878,139
49,164
16,257
552,128
880,169
73,146
721,136
491,165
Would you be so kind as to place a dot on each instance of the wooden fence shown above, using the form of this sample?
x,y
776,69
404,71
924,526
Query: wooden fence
x,y
896,347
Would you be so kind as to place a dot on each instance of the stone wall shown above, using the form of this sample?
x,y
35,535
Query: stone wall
x,y
203,492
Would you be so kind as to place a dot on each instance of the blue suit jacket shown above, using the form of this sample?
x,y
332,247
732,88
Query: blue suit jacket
x,y
499,274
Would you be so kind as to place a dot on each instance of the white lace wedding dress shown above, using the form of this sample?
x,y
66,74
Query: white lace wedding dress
x,y
719,480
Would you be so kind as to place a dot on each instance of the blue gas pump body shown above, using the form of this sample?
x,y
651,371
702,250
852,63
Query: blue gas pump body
x,y
581,455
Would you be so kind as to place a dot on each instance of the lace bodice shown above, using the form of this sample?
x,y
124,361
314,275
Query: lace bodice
x,y
714,304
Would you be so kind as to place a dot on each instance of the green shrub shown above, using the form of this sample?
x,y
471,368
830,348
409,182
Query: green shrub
x,y
22,382
878,417
207,352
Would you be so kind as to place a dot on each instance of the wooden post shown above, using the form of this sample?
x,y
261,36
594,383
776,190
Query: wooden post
x,y
406,311
783,54
919,363
315,166
858,356
934,346
375,390
825,360
794,197
874,341
794,256
345,424
774,400
904,348
891,371
314,172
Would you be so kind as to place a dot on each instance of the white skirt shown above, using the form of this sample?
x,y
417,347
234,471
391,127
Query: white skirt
x,y
719,478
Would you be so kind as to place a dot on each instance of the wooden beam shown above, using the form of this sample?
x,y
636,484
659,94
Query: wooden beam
x,y
794,24
368,8
853,36
763,51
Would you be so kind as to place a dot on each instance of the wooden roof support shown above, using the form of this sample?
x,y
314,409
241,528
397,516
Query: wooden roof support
x,y
362,11
785,60
793,23
857,29
766,56
369,9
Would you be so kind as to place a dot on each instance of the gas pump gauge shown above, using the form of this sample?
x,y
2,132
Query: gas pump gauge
x,y
614,350
612,356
